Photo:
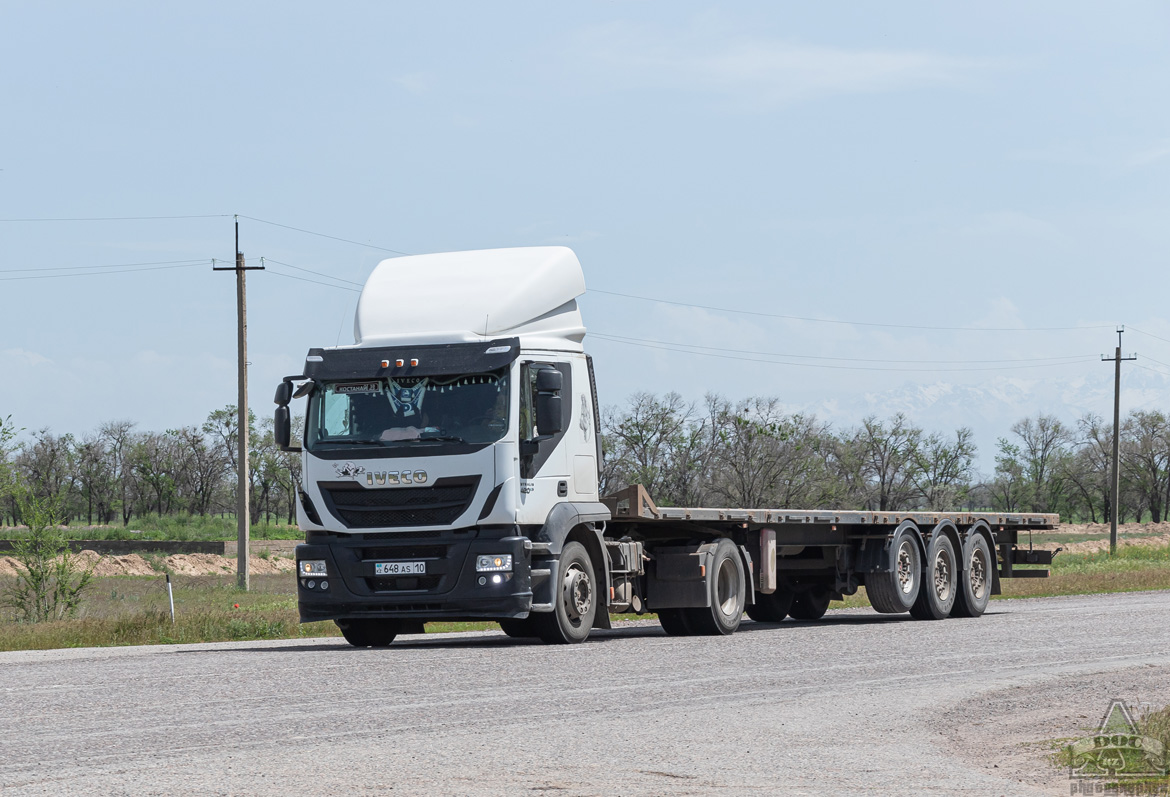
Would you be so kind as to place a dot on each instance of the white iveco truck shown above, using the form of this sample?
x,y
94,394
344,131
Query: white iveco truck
x,y
451,463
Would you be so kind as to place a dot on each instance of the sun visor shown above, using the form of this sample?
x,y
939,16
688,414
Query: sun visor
x,y
400,361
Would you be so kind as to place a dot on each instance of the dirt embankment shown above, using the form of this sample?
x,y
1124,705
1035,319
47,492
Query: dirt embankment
x,y
191,564
1097,536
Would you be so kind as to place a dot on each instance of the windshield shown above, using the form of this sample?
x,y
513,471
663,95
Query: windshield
x,y
466,408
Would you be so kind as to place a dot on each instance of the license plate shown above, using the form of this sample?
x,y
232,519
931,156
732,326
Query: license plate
x,y
400,568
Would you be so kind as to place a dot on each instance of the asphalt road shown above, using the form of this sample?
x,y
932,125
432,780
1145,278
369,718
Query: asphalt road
x,y
857,703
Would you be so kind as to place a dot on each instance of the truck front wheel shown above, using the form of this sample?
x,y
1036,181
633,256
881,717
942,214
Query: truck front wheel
x,y
574,599
368,633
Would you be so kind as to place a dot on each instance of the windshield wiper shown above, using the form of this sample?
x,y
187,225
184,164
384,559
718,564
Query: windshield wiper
x,y
442,438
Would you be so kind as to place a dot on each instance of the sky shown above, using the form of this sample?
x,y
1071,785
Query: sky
x,y
940,209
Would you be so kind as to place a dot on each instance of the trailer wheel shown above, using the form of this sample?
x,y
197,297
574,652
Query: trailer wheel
x,y
518,629
974,590
894,591
674,622
574,600
770,607
368,633
728,590
810,605
940,581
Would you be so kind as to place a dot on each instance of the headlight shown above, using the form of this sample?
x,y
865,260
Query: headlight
x,y
492,564
312,567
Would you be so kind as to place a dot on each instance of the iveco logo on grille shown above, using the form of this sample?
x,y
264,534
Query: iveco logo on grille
x,y
396,477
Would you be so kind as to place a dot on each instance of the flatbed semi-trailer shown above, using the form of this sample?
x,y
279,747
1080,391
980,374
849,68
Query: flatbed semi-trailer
x,y
451,463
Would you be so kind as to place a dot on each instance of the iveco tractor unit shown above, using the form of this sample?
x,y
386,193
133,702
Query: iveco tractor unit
x,y
450,471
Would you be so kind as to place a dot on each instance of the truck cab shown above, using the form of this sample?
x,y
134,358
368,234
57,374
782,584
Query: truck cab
x,y
451,446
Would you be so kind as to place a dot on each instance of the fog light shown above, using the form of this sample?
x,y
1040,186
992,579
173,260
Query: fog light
x,y
493,563
312,567
324,585
482,580
311,584
496,579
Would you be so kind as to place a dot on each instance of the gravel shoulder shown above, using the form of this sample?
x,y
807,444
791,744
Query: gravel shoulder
x,y
856,704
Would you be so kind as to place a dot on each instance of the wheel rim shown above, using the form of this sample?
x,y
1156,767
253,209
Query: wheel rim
x,y
726,591
577,593
906,567
943,574
978,573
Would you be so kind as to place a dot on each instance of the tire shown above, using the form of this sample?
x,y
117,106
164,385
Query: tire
x,y
894,591
810,605
368,633
728,590
976,579
518,629
770,608
940,580
674,622
574,600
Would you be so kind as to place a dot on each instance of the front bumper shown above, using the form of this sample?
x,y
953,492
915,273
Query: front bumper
x,y
449,590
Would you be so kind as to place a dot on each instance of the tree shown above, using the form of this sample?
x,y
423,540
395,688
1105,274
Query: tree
x,y
943,469
889,461
119,441
1045,443
1145,458
659,444
1010,489
50,581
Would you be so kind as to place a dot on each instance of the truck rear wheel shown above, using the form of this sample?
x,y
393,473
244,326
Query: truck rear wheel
x,y
810,605
940,581
368,633
974,590
727,588
894,591
770,607
574,599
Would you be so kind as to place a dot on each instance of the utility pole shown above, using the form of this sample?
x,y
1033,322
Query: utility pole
x,y
243,479
1115,478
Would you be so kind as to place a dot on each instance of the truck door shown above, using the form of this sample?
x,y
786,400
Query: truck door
x,y
544,466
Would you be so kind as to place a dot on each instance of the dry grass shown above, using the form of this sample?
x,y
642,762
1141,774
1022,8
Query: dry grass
x,y
131,610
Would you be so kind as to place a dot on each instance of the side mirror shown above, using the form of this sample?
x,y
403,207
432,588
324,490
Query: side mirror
x,y
282,426
548,401
284,394
549,380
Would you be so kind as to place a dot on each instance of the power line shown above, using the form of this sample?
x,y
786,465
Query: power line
x,y
103,273
108,265
1147,334
323,235
128,218
310,271
844,323
623,338
840,367
315,282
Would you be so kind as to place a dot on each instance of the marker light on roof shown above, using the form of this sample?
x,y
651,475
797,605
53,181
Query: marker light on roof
x,y
413,362
385,363
398,363
498,350
314,358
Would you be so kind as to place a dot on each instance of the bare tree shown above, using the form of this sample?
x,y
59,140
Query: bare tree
x,y
943,470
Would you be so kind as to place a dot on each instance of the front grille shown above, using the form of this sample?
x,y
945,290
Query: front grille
x,y
405,552
403,583
437,505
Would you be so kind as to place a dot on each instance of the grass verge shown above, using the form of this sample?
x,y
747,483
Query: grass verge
x,y
131,610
